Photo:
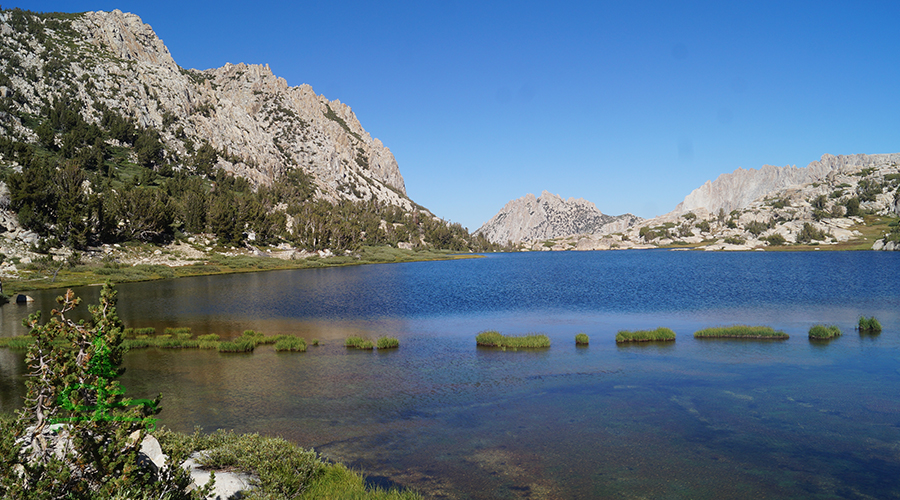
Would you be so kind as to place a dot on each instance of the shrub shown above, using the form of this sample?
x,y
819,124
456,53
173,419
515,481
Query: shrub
x,y
734,240
869,325
824,332
809,233
775,240
582,339
496,339
388,343
64,361
290,343
661,333
741,331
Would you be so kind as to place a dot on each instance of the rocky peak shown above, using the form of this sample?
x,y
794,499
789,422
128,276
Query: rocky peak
x,y
549,216
261,126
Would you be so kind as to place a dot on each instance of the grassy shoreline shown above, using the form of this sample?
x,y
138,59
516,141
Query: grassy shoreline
x,y
213,264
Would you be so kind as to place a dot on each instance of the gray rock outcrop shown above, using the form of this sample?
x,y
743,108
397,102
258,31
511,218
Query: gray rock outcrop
x,y
549,216
740,188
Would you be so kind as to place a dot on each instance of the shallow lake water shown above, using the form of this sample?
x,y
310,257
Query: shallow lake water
x,y
684,419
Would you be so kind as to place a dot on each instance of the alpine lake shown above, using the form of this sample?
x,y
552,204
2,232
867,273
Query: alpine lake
x,y
716,418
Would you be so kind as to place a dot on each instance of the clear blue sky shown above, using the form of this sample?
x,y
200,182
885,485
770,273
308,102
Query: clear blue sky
x,y
630,105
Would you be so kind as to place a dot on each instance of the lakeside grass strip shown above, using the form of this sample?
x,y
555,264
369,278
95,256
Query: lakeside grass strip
x,y
661,334
582,339
822,332
870,325
492,338
741,332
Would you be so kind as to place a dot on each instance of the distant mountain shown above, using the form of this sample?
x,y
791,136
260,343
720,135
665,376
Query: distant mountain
x,y
829,202
550,216
740,188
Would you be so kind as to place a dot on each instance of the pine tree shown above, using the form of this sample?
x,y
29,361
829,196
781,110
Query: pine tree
x,y
74,367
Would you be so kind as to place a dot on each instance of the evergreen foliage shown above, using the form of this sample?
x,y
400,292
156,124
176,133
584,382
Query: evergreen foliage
x,y
78,436
91,175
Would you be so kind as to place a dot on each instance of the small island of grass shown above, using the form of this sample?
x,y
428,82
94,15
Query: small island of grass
x,y
493,338
821,332
741,332
660,334
387,343
359,343
582,339
869,325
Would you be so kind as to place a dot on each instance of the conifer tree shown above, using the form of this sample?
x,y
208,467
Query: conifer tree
x,y
81,435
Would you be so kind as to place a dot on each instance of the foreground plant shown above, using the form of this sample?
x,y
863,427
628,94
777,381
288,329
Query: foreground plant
x,y
660,334
582,339
824,332
493,338
77,435
870,325
741,331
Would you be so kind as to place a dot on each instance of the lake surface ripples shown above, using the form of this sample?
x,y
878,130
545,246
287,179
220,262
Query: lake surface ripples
x,y
685,419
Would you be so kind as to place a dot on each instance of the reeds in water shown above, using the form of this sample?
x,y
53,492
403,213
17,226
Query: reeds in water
x,y
824,332
870,325
493,338
660,334
741,331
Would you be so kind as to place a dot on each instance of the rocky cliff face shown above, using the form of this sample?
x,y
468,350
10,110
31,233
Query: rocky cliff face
x,y
263,127
822,204
740,188
550,216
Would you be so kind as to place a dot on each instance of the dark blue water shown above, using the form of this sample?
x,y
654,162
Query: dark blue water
x,y
689,419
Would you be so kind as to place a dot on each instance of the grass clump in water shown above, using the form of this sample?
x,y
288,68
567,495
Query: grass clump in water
x,y
741,331
176,331
290,343
241,344
387,343
824,332
870,325
582,339
660,334
208,337
493,338
20,342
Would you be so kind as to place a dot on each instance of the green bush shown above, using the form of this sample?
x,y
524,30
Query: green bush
x,y
582,339
496,339
741,331
660,334
387,343
869,325
824,332
775,240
